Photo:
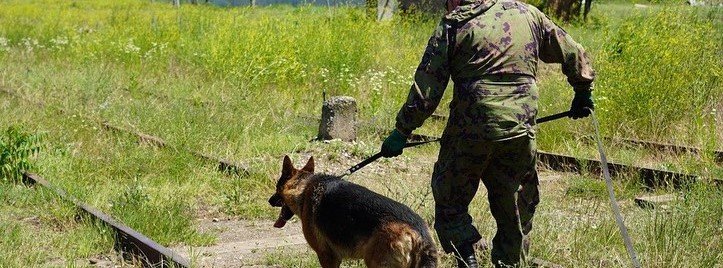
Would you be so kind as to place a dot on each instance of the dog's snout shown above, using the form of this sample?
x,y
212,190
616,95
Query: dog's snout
x,y
275,201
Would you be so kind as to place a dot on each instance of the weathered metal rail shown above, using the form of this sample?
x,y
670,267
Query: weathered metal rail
x,y
657,146
224,165
130,243
163,97
650,176
679,149
560,162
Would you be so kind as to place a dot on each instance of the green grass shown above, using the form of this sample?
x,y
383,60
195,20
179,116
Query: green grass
x,y
37,228
245,83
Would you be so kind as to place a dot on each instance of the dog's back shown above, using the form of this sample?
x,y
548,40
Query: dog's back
x,y
354,222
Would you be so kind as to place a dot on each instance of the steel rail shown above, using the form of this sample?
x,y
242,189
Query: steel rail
x,y
657,146
561,162
128,242
650,176
224,165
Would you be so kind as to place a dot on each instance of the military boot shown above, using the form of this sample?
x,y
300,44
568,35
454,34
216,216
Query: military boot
x,y
465,256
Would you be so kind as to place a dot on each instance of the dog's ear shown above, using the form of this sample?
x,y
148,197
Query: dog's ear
x,y
309,167
287,168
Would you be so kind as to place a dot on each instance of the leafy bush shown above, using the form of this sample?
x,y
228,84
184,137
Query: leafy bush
x,y
16,148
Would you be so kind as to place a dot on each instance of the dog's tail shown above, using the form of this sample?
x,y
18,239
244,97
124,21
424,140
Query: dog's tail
x,y
425,254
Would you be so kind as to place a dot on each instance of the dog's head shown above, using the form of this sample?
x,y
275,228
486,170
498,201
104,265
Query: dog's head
x,y
286,189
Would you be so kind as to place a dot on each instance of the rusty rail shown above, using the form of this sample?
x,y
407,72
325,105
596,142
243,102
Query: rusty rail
x,y
657,146
128,242
650,176
224,165
560,162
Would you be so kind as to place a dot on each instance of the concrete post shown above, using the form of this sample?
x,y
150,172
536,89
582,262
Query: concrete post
x,y
338,119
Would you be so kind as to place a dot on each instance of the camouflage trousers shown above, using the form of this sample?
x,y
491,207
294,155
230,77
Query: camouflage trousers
x,y
507,169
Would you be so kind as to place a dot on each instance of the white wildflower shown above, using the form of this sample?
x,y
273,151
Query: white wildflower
x,y
30,44
324,74
59,42
157,49
4,44
713,113
84,30
130,48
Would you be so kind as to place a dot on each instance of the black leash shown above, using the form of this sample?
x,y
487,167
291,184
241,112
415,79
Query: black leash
x,y
377,156
413,144
553,117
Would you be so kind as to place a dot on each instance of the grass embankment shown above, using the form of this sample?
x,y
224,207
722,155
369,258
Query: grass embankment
x,y
243,84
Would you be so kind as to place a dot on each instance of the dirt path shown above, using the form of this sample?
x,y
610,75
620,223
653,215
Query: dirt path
x,y
243,243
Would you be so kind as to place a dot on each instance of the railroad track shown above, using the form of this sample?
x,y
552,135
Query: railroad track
x,y
656,146
224,165
566,163
652,177
130,243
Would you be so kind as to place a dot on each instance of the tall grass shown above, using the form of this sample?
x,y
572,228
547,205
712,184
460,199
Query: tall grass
x,y
246,67
658,71
661,75
675,236
282,46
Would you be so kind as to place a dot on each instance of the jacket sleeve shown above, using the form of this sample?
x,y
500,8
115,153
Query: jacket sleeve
x,y
558,47
430,81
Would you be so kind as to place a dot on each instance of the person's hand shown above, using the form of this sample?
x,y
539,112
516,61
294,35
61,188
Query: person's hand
x,y
394,144
582,104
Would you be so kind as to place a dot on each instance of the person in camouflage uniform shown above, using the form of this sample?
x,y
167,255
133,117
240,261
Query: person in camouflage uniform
x,y
490,49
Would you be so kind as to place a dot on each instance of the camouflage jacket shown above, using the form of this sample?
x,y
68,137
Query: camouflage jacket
x,y
491,50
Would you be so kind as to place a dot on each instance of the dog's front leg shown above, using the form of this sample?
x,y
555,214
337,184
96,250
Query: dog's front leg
x,y
329,260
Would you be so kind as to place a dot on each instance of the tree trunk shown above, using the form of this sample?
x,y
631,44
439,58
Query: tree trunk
x,y
588,5
566,10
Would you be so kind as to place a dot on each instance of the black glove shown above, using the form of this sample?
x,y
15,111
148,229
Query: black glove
x,y
581,103
394,144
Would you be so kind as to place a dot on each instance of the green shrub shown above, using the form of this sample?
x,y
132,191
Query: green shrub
x,y
16,149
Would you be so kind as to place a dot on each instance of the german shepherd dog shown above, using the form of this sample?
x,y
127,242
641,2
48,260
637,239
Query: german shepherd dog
x,y
342,220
